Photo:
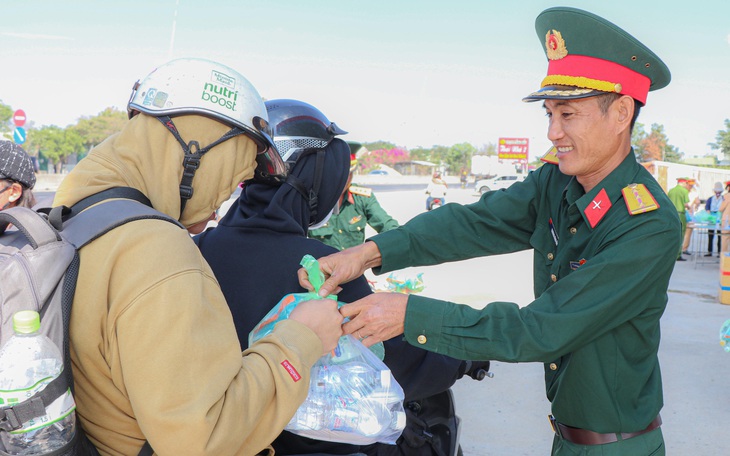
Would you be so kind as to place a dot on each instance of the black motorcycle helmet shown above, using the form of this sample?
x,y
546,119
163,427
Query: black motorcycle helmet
x,y
300,129
298,126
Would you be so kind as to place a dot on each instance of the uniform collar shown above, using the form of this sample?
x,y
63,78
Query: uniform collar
x,y
594,205
350,198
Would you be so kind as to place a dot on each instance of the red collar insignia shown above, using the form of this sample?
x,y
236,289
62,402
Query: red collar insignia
x,y
597,208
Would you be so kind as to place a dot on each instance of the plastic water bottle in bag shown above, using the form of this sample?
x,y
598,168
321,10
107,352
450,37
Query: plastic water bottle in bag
x,y
28,362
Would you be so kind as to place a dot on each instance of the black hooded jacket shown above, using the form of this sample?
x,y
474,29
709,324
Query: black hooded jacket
x,y
255,252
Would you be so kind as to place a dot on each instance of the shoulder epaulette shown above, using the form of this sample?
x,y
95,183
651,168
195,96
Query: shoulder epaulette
x,y
638,199
362,191
551,156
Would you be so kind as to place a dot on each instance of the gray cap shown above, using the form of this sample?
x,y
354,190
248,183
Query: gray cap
x,y
15,164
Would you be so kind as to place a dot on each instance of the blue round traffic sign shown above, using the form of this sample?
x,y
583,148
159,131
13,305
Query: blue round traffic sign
x,y
19,135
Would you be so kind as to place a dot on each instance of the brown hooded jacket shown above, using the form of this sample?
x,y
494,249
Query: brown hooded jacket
x,y
155,353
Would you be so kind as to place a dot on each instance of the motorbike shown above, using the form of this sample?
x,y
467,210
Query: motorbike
x,y
434,427
434,202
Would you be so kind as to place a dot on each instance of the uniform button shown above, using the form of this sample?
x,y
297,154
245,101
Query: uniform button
x,y
550,256
340,231
553,277
553,367
358,228
422,339
573,230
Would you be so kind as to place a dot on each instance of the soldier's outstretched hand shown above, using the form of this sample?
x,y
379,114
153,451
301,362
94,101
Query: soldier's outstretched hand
x,y
342,267
376,317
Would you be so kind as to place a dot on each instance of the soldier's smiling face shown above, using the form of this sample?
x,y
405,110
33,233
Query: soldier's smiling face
x,y
588,141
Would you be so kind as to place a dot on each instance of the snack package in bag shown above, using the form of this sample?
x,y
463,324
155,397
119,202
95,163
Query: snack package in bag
x,y
353,397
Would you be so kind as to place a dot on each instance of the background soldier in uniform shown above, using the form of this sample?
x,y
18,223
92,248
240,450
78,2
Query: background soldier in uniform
x,y
358,208
679,196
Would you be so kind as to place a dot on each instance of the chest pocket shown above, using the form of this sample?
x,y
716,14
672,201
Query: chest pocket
x,y
355,223
543,242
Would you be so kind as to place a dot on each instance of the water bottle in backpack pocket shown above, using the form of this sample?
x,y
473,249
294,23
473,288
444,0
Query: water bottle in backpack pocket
x,y
29,362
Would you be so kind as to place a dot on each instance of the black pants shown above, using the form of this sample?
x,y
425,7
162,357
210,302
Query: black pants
x,y
710,236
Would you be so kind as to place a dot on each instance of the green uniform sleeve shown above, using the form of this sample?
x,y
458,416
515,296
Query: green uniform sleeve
x,y
604,293
500,222
378,219
601,292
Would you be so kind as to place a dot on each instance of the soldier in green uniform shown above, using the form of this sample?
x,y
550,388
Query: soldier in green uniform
x,y
604,235
679,196
358,208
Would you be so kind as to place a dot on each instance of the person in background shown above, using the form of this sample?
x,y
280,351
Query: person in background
x,y
694,205
358,207
725,217
270,224
712,206
156,358
679,196
436,189
589,215
17,176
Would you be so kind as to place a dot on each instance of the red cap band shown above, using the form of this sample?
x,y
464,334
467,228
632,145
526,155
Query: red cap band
x,y
633,84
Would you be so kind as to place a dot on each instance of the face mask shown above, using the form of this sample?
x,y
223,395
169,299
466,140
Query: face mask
x,y
322,223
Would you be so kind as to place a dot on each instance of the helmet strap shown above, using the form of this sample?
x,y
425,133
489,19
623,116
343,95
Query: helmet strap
x,y
193,154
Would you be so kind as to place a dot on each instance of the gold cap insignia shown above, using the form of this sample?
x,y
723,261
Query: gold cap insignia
x,y
555,45
638,199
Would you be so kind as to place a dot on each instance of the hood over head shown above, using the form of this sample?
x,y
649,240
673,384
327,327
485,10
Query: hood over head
x,y
147,157
284,209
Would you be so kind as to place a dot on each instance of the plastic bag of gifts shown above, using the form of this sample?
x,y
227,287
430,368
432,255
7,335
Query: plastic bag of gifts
x,y
353,397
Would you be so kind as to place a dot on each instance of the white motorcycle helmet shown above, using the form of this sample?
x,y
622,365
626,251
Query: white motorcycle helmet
x,y
200,86
204,87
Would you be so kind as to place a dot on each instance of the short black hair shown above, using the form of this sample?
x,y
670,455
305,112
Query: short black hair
x,y
606,100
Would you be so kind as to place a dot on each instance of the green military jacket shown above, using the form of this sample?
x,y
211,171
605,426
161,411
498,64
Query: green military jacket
x,y
347,229
679,197
600,281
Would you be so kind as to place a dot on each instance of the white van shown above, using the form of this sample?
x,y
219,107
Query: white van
x,y
495,183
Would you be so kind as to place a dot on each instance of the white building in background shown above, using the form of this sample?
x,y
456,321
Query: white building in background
x,y
667,174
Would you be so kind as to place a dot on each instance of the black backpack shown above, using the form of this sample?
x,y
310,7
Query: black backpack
x,y
39,265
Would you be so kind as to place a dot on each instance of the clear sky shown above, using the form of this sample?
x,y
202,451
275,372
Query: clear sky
x,y
413,72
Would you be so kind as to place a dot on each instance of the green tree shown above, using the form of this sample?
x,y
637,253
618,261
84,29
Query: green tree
x,y
488,149
421,153
672,154
654,145
6,112
458,156
95,129
638,134
439,155
380,144
722,140
55,143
